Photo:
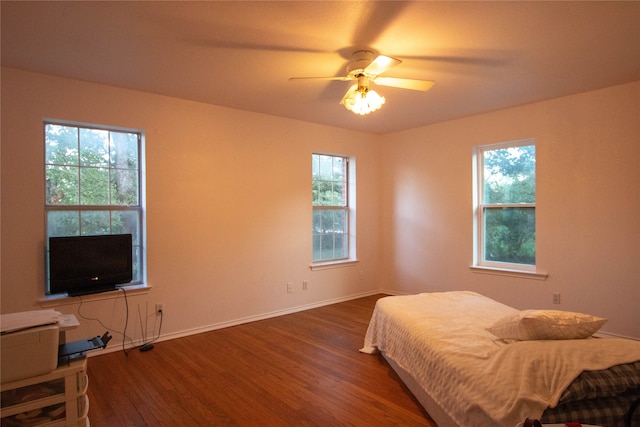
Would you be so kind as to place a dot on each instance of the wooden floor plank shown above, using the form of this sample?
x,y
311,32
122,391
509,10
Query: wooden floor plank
x,y
302,369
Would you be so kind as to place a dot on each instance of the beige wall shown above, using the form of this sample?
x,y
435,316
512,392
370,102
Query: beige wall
x,y
228,206
588,205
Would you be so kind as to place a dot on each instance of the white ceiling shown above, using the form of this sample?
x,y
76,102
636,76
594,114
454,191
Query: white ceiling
x,y
483,56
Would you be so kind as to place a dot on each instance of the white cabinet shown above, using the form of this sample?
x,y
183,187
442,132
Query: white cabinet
x,y
58,398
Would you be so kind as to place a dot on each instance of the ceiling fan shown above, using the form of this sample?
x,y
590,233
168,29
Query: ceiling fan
x,y
365,68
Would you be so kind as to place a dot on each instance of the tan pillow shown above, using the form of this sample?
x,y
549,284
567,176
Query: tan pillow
x,y
547,325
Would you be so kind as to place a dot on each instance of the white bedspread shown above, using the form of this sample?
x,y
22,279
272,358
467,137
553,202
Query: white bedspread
x,y
477,379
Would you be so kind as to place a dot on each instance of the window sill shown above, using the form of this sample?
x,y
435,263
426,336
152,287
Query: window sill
x,y
58,300
511,273
333,264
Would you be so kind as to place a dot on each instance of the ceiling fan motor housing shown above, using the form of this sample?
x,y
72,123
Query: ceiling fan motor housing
x,y
361,59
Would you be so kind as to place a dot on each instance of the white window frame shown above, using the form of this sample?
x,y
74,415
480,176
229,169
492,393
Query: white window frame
x,y
140,208
351,217
479,261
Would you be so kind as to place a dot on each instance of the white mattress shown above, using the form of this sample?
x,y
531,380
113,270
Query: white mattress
x,y
440,339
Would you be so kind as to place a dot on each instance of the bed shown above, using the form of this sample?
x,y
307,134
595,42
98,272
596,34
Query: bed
x,y
441,346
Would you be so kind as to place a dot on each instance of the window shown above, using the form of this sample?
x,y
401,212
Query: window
x,y
330,188
505,205
93,184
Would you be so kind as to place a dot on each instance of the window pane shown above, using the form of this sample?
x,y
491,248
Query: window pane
x,y
329,221
124,187
510,175
136,263
94,186
63,223
326,168
124,150
62,185
330,237
95,222
326,246
340,250
61,145
317,255
338,171
339,221
329,181
94,147
318,188
323,193
510,235
339,193
126,222
317,223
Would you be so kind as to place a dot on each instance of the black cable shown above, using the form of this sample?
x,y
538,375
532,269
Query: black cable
x,y
82,316
126,320
126,323
159,331
124,334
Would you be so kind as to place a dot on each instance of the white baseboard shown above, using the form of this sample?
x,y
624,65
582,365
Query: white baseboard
x,y
240,321
268,315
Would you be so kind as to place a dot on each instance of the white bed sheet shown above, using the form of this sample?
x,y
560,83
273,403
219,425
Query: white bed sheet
x,y
478,380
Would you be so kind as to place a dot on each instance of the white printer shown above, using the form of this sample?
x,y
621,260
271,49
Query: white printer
x,y
29,342
34,343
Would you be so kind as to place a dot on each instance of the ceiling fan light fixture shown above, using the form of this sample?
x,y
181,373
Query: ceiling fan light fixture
x,y
364,67
364,101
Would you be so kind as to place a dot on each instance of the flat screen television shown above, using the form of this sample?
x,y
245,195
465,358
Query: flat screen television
x,y
80,265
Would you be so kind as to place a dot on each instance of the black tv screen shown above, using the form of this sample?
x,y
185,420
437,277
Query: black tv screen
x,y
80,265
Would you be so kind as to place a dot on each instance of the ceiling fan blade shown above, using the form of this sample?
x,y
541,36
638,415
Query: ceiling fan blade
x,y
423,85
343,79
349,92
381,64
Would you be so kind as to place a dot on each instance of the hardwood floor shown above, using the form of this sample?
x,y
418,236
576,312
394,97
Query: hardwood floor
x,y
302,369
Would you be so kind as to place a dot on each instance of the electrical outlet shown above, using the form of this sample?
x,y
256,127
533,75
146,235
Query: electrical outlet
x,y
556,297
289,287
159,308
305,285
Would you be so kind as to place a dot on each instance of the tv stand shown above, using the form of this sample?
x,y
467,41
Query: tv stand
x,y
58,398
